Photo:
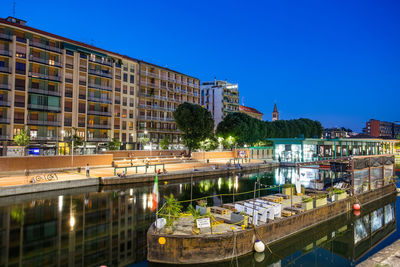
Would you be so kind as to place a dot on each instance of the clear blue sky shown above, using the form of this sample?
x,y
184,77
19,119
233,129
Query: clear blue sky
x,y
334,61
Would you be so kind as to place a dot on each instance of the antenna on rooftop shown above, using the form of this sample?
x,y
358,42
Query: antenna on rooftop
x,y
14,4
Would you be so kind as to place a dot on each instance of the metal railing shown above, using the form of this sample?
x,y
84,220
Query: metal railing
x,y
44,107
100,73
6,86
45,76
5,103
4,120
46,47
5,36
100,86
99,99
44,91
45,61
6,52
5,69
40,122
98,139
100,61
101,113
99,126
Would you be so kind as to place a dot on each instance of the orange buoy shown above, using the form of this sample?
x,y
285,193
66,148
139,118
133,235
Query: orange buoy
x,y
356,206
356,212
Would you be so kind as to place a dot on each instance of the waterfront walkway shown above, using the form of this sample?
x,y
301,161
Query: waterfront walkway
x,y
389,256
21,179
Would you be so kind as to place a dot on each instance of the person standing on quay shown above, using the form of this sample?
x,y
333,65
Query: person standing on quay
x,y
87,170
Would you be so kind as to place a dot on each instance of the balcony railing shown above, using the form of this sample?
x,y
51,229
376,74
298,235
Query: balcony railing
x,y
45,61
156,107
40,122
100,61
44,91
5,69
45,76
4,120
5,36
5,86
99,126
45,138
5,103
100,113
99,99
44,107
151,74
4,137
148,84
46,47
7,53
100,73
152,118
98,139
99,86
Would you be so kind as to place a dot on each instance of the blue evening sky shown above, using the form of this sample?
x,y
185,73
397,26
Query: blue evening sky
x,y
333,61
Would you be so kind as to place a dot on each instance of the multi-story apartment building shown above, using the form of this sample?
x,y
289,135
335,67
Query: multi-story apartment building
x,y
161,91
386,129
54,87
252,112
220,98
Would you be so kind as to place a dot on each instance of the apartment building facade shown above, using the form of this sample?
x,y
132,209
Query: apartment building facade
x,y
220,98
377,128
161,91
57,88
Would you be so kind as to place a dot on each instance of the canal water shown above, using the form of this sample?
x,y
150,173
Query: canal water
x,y
107,225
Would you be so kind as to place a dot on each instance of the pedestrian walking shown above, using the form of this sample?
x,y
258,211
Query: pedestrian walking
x,y
87,170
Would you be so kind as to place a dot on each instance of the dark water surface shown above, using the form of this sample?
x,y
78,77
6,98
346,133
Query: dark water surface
x,y
107,226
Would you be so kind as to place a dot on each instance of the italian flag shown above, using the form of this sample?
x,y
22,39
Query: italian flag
x,y
154,195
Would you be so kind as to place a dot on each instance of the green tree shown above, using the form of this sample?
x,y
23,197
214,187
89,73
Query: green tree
x,y
144,140
195,122
22,139
165,142
209,144
114,144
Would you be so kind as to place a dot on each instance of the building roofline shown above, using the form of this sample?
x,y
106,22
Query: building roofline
x,y
28,28
157,66
335,139
250,109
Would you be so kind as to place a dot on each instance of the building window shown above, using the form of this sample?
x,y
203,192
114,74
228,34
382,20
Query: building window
x,y
125,77
132,79
69,52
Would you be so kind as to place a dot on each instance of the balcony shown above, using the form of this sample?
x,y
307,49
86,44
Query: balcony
x,y
82,83
148,84
5,103
4,120
99,99
4,36
171,79
100,73
68,94
5,86
83,69
151,118
46,47
81,124
100,113
7,53
99,126
5,69
46,123
45,138
98,139
19,104
100,61
4,137
156,107
152,74
44,92
44,107
45,76
101,87
48,62
69,66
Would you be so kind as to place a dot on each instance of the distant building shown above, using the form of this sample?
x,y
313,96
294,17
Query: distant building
x,y
252,112
376,128
332,133
220,98
275,114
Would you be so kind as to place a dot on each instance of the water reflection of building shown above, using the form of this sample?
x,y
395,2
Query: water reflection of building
x,y
84,230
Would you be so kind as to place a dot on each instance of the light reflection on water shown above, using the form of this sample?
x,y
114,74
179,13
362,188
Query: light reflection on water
x,y
89,228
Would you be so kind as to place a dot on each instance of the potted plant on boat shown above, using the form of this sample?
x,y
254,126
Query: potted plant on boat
x,y
202,207
171,212
339,194
196,215
286,188
320,200
307,203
